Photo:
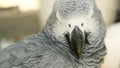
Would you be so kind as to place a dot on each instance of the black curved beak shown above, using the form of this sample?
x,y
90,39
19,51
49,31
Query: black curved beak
x,y
77,41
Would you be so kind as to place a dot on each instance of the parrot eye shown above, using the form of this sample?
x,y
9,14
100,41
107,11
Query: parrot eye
x,y
69,25
81,24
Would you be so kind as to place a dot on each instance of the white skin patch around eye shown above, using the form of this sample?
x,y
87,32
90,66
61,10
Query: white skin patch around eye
x,y
61,27
67,25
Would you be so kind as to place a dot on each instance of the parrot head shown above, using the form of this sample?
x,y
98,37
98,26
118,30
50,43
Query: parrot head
x,y
78,25
72,20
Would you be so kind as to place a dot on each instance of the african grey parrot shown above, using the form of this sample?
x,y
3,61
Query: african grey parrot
x,y
72,38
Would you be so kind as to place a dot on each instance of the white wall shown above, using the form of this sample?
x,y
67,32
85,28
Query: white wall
x,y
46,8
112,59
108,8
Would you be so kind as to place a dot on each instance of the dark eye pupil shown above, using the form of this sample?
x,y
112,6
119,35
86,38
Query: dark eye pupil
x,y
81,24
69,25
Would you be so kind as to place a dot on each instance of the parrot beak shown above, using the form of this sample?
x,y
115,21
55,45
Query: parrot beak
x,y
77,41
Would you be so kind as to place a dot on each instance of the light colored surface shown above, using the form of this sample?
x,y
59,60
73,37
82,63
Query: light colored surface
x,y
46,8
112,60
108,8
23,5
5,43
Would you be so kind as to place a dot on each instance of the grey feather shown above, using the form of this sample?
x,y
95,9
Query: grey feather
x,y
45,50
33,52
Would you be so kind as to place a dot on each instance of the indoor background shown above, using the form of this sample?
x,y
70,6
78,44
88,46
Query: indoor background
x,y
20,18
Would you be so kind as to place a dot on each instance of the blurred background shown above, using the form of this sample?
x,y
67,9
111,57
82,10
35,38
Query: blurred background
x,y
20,18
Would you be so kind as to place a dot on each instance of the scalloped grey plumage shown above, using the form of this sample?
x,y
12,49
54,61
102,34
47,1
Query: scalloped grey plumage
x,y
44,50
